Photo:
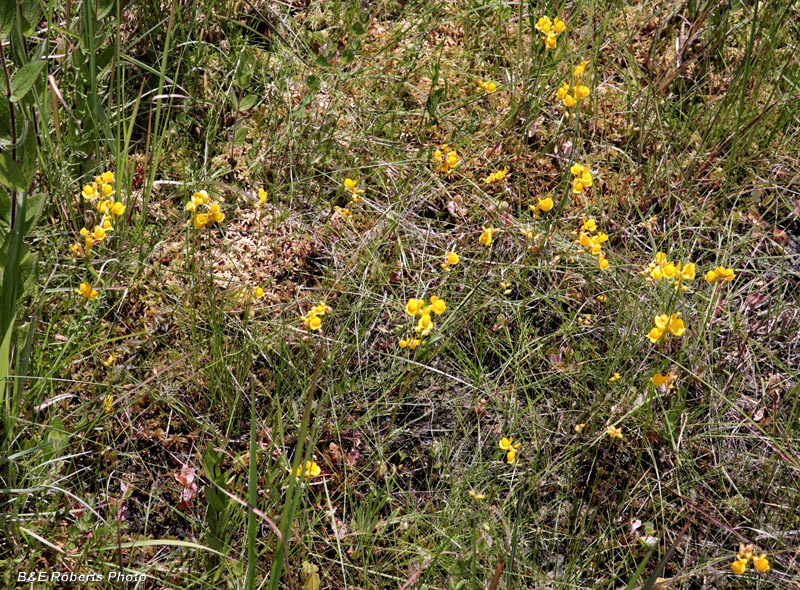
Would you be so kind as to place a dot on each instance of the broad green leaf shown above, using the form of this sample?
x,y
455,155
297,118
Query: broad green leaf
x,y
25,78
28,154
10,173
248,102
5,123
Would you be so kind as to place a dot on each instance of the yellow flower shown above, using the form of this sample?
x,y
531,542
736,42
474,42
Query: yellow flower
x,y
424,325
501,174
761,563
602,298
660,380
438,305
447,158
107,403
117,209
506,443
506,287
311,470
511,455
476,496
688,271
200,220
109,360
452,258
739,566
581,91
403,343
550,41
75,249
258,292
655,335
562,92
676,325
107,190
579,427
88,192
486,236
613,432
543,24
580,69
99,233
545,204
414,343
613,378
262,198
86,291
312,321
107,177
414,306
559,26
488,86
721,274
569,101
350,184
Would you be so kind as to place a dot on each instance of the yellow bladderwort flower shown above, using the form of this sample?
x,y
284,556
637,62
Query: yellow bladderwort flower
x,y
761,563
562,92
451,259
580,69
414,306
581,91
508,445
664,324
109,360
75,249
107,403
614,433
545,204
199,220
544,24
85,290
613,378
505,287
487,236
447,159
559,26
438,305
487,85
424,325
311,470
661,380
579,427
720,274
99,233
343,212
476,496
739,566
312,322
497,175
262,198
550,41
88,192
258,292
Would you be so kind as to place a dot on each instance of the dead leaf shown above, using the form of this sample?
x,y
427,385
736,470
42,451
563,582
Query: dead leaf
x,y
188,485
